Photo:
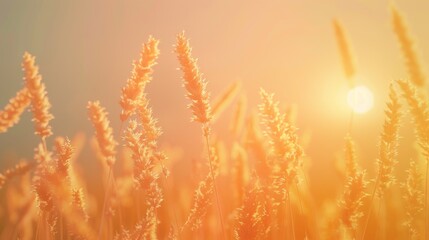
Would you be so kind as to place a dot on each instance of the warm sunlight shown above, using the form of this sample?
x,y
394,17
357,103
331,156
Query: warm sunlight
x,y
360,99
239,120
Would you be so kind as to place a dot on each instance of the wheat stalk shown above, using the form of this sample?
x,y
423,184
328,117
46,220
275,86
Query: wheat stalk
x,y
238,119
240,170
106,143
195,86
221,102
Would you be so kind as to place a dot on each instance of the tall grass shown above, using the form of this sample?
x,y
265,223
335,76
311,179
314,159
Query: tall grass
x,y
253,184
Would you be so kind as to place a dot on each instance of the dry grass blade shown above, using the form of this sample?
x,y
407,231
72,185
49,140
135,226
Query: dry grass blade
x,y
237,122
221,102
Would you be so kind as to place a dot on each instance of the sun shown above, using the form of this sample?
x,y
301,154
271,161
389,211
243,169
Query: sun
x,y
360,99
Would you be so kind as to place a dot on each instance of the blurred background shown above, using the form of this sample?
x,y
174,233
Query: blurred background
x,y
85,51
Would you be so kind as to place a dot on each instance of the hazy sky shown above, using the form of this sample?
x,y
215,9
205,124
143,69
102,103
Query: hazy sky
x,y
85,50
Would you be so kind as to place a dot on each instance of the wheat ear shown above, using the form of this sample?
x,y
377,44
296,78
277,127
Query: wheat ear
x,y
140,76
39,100
345,52
11,113
408,50
193,82
103,131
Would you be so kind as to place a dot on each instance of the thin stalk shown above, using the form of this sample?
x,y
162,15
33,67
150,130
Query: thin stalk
x,y
137,198
167,187
106,195
206,135
119,206
370,206
111,228
47,235
380,234
426,201
315,222
291,214
350,127
301,209
38,227
61,227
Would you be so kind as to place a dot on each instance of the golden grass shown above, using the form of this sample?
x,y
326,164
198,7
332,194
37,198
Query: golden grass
x,y
12,111
408,49
414,198
193,81
265,191
221,102
345,52
140,76
103,131
39,101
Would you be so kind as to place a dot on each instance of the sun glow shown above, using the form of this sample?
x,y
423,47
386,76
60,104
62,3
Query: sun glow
x,y
360,99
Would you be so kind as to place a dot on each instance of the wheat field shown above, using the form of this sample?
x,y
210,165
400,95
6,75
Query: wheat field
x,y
246,173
